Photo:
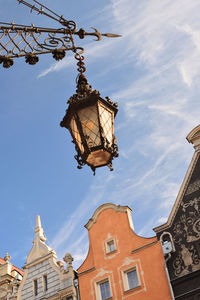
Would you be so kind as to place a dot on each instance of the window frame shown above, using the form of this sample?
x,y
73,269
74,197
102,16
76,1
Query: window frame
x,y
98,288
35,286
45,282
126,281
109,243
108,251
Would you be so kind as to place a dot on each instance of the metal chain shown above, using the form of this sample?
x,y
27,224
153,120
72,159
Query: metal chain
x,y
78,56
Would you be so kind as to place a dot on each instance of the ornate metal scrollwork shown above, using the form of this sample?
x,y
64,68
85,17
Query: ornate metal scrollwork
x,y
71,25
16,41
30,41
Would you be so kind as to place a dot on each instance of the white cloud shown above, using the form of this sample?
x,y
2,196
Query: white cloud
x,y
169,194
55,67
159,51
79,257
93,51
162,220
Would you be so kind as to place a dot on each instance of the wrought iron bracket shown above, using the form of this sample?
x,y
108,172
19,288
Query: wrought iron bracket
x,y
30,41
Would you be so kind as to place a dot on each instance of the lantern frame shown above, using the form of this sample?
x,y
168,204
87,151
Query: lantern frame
x,y
105,150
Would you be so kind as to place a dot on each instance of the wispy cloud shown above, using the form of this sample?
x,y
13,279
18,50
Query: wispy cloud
x,y
68,238
94,50
67,229
162,220
55,67
160,51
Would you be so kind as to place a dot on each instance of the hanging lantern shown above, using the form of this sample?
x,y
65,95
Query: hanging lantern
x,y
90,120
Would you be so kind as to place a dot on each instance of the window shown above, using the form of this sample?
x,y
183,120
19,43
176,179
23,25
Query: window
x,y
35,287
111,246
105,290
132,279
45,283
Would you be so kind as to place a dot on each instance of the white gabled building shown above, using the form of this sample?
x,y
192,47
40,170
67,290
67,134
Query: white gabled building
x,y
44,277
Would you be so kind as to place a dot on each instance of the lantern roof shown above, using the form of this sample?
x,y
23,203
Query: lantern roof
x,y
85,96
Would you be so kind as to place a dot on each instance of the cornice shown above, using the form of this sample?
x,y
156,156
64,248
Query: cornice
x,y
87,271
100,209
39,260
144,247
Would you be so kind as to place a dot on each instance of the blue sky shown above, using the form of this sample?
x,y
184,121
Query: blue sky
x,y
152,71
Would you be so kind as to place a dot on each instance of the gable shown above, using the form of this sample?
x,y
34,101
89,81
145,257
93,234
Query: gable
x,y
184,224
189,206
190,189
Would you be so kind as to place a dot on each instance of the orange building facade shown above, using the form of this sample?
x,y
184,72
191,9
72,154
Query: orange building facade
x,y
120,264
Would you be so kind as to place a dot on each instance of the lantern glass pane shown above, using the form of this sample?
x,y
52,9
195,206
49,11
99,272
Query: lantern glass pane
x,y
106,117
76,134
90,125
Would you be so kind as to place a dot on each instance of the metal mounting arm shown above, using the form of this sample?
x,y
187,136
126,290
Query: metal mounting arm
x,y
30,41
69,24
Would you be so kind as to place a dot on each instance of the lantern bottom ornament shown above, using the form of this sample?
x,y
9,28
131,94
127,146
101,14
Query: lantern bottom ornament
x,y
90,120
